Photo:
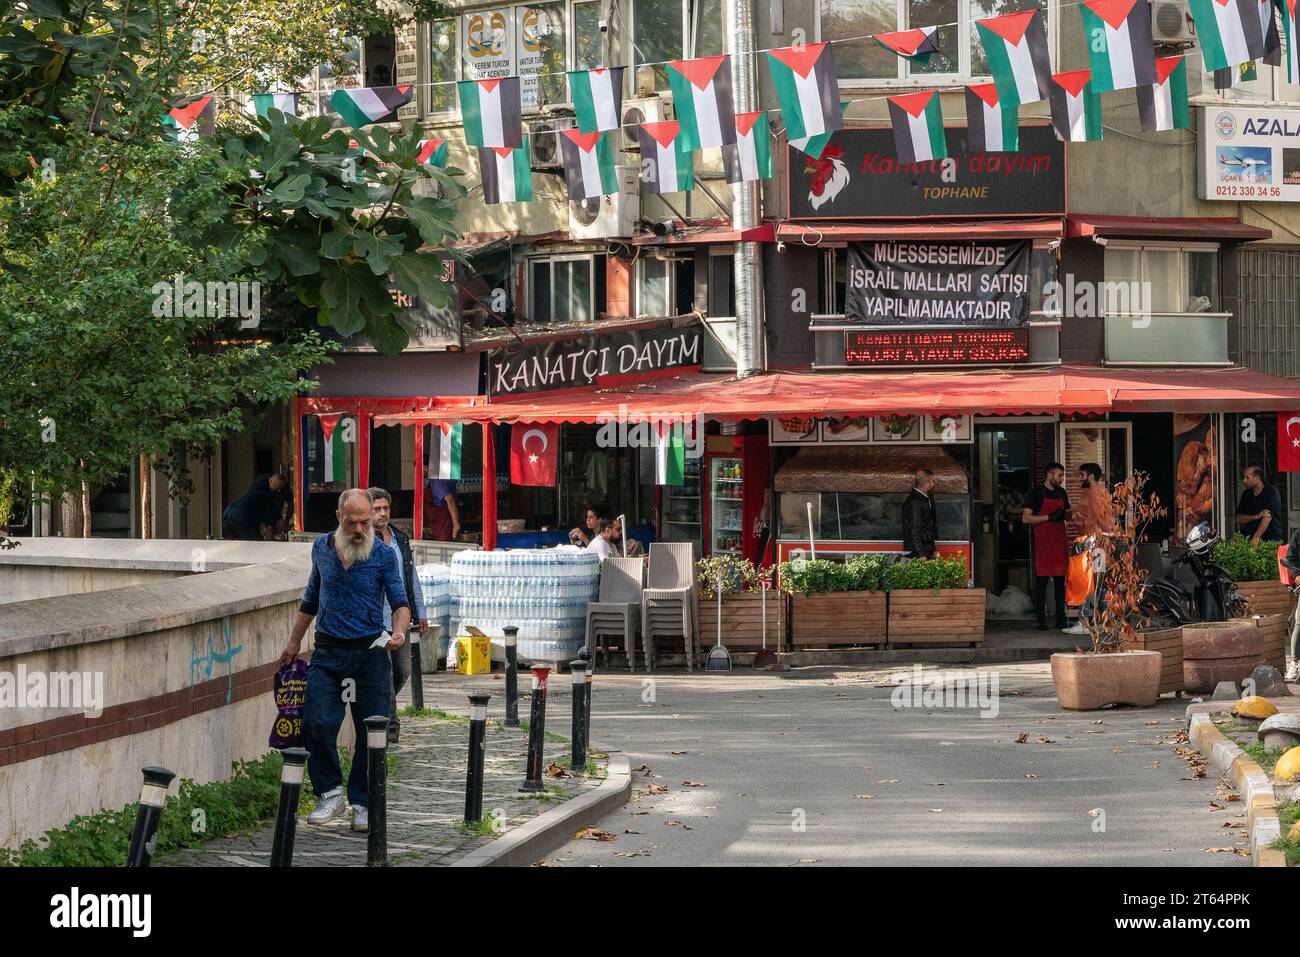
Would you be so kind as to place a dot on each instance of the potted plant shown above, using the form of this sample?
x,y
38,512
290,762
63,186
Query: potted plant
x,y
835,603
929,603
1118,669
738,582
1253,566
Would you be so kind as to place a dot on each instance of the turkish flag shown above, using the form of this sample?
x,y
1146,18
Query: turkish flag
x,y
1288,441
534,453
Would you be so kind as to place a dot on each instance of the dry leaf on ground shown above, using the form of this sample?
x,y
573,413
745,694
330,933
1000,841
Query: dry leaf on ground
x,y
593,834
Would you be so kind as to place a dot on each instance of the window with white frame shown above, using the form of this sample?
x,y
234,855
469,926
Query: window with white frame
x,y
443,53
528,41
568,288
960,52
665,30
664,286
373,63
1161,278
588,40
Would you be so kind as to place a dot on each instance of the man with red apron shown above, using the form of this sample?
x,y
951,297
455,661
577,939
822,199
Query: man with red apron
x,y
1045,514
441,516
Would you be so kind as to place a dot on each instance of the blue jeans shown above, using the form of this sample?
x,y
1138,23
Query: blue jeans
x,y
323,714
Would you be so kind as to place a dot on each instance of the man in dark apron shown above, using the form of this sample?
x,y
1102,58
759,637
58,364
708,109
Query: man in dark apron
x,y
1045,514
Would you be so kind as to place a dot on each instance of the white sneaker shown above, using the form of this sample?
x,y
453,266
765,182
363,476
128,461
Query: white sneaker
x,y
360,820
328,807
1076,629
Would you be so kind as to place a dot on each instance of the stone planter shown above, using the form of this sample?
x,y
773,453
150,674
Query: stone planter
x,y
1219,651
742,620
1272,641
1271,597
1086,682
1169,643
837,618
936,616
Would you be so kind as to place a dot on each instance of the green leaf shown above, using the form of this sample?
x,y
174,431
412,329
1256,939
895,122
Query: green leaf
x,y
335,244
298,258
420,275
430,218
387,335
342,291
291,190
377,249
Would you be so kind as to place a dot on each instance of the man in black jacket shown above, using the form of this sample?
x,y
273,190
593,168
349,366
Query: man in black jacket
x,y
919,525
394,538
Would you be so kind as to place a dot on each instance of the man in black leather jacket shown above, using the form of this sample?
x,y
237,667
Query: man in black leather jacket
x,y
919,525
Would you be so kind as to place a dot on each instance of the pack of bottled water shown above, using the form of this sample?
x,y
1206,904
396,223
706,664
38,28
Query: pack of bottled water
x,y
435,587
542,591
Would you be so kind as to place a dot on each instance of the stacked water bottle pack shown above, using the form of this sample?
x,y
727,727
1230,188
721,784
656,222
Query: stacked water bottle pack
x,y
435,586
543,591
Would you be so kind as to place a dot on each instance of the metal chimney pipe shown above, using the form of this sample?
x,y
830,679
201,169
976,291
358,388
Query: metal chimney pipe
x,y
746,198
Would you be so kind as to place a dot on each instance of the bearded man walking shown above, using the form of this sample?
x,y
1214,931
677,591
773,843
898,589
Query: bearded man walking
x,y
350,580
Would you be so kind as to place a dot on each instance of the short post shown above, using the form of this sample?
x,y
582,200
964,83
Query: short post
x,y
536,730
511,633
286,816
578,759
417,672
377,788
153,794
474,769
585,655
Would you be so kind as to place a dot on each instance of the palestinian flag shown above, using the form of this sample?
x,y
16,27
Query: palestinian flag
x,y
914,46
814,146
334,449
449,441
507,175
433,153
702,100
750,158
670,453
1118,36
491,111
264,103
918,127
194,119
666,163
1228,31
597,98
991,127
588,164
1016,48
807,89
1163,104
363,105
1076,107
1287,9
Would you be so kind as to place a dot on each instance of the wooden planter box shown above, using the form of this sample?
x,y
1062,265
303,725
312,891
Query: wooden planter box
x,y
936,616
1169,642
1272,641
1267,597
837,618
742,621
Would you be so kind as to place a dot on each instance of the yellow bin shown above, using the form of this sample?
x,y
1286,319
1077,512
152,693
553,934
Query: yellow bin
x,y
473,655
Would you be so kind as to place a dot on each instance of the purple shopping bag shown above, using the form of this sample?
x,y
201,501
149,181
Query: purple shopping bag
x,y
290,698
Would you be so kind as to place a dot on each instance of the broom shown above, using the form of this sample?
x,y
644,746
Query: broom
x,y
719,657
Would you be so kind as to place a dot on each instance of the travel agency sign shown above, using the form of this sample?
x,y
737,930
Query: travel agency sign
x,y
1250,154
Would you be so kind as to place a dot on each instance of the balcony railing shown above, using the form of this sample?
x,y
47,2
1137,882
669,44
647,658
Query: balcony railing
x,y
1168,339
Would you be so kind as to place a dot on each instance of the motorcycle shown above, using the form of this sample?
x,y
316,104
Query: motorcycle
x,y
1168,603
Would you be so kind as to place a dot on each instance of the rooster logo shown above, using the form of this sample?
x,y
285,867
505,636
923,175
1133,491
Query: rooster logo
x,y
829,176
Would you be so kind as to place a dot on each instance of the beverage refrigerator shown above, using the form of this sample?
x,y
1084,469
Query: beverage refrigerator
x,y
724,497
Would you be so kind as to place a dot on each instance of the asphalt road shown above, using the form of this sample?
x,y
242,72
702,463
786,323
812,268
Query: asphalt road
x,y
819,767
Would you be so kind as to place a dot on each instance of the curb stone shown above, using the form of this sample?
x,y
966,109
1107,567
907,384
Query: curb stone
x,y
1250,779
550,830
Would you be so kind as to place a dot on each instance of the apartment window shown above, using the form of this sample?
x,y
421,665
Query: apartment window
x,y
372,62
664,30
960,52
524,41
722,285
442,66
588,41
566,288
664,287
1161,278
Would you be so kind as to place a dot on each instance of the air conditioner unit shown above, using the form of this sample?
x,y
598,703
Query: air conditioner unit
x,y
1170,23
612,216
652,109
544,144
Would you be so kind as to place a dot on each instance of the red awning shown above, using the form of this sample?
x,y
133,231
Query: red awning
x,y
762,233
815,233
1214,227
1066,389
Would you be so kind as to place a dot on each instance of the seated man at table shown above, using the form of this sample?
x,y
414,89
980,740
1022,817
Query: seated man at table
x,y
584,536
601,535
624,546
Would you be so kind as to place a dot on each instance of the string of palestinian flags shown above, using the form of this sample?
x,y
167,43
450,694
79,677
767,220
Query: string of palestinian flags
x,y
1121,56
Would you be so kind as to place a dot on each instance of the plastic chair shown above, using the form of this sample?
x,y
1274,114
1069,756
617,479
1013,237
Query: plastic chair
x,y
668,602
617,610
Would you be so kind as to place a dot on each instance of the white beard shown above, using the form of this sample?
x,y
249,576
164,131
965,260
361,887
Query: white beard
x,y
350,552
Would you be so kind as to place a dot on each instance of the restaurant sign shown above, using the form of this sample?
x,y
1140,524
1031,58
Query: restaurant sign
x,y
581,362
938,284
907,347
858,176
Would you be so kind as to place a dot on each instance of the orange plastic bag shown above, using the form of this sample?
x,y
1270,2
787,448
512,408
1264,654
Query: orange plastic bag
x,y
1078,579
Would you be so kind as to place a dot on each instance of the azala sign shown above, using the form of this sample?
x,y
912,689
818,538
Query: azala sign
x,y
1249,154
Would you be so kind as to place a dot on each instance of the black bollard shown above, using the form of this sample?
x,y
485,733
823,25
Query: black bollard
x,y
286,816
477,749
417,672
377,788
585,655
536,730
511,633
153,794
578,759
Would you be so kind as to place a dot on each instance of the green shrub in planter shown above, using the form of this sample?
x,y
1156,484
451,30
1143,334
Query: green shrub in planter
x,y
933,573
813,577
1245,562
868,572
734,574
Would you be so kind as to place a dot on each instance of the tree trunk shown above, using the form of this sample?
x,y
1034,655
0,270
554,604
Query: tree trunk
x,y
70,517
146,499
85,507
